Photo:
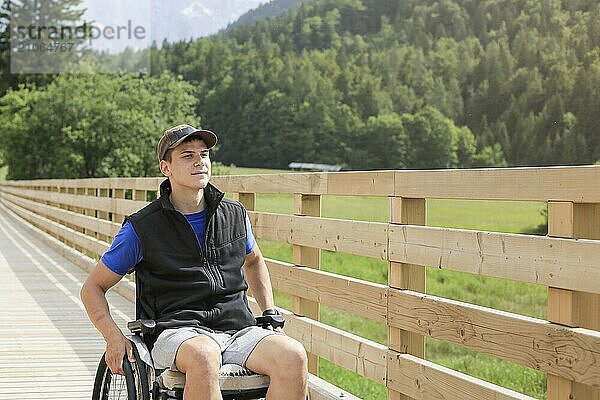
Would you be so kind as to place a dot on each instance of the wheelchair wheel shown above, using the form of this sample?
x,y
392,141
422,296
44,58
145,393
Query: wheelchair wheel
x,y
131,386
142,376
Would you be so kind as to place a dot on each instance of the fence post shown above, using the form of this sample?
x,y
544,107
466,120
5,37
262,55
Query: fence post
x,y
118,194
139,195
103,192
568,307
248,200
309,205
406,211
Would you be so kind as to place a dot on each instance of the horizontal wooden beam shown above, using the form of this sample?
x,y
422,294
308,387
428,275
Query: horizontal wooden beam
x,y
424,380
353,237
573,353
564,263
106,204
370,183
88,243
91,183
578,184
358,297
305,183
380,183
320,389
91,223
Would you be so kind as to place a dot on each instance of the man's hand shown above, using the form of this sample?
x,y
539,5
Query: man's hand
x,y
116,348
93,296
271,320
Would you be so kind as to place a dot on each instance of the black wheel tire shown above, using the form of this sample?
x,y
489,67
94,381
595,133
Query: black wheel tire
x,y
115,387
141,372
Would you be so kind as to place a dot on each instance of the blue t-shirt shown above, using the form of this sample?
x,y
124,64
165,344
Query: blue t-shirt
x,y
125,252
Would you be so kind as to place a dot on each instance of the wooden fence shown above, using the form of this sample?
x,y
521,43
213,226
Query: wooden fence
x,y
86,214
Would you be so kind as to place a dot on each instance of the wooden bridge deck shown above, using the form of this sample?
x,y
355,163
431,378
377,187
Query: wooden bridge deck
x,y
48,347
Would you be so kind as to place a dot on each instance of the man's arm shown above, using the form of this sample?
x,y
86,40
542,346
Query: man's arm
x,y
258,278
93,296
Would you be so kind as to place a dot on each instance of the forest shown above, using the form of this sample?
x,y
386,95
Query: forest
x,y
366,84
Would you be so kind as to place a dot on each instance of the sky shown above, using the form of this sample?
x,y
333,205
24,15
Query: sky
x,y
136,23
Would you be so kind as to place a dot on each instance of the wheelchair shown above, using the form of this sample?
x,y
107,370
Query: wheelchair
x,y
142,382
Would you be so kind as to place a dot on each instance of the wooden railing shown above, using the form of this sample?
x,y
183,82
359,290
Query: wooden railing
x,y
86,214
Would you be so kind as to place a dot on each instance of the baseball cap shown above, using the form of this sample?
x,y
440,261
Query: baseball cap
x,y
173,137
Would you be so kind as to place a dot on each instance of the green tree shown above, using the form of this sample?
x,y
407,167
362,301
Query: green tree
x,y
37,22
5,76
433,139
383,143
91,125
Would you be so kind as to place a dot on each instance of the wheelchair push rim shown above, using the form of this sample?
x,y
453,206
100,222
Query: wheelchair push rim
x,y
131,386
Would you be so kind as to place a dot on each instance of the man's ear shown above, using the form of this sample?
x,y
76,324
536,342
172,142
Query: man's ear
x,y
165,168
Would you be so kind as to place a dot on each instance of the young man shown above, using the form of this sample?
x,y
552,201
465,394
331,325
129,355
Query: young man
x,y
194,255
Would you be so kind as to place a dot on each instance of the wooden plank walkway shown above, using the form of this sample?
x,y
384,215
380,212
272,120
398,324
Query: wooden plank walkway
x,y
48,347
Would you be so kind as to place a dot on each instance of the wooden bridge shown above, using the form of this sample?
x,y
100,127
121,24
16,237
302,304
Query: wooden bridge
x,y
48,349
52,231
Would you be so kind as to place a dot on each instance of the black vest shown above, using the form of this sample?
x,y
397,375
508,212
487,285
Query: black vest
x,y
180,284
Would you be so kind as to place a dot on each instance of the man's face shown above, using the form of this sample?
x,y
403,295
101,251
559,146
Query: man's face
x,y
189,166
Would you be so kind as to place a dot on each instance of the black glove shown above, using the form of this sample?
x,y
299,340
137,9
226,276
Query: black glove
x,y
270,318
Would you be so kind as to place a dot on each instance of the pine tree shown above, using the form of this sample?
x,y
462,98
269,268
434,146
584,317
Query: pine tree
x,y
30,24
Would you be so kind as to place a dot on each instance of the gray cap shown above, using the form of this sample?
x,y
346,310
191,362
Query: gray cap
x,y
173,137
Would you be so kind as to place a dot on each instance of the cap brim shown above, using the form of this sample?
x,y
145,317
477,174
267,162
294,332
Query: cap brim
x,y
209,138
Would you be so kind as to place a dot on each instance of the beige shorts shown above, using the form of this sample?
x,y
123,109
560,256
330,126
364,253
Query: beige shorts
x,y
235,346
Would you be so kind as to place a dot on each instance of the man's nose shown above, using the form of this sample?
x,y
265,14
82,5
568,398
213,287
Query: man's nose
x,y
198,160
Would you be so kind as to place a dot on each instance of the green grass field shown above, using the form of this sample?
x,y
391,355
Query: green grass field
x,y
526,299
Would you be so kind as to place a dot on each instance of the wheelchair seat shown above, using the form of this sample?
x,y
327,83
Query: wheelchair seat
x,y
234,380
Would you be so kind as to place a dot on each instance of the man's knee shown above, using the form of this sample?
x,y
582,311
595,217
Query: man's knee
x,y
295,357
200,354
291,369
282,356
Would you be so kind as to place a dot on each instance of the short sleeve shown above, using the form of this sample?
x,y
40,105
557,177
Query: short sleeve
x,y
250,241
125,252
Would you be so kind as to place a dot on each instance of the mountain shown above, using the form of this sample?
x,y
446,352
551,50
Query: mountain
x,y
172,20
271,9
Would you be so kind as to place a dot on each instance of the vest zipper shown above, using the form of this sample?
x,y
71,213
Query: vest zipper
x,y
212,280
218,278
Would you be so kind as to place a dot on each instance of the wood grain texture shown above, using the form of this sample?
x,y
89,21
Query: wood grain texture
x,y
572,353
358,297
577,184
424,380
305,183
558,262
575,308
95,246
101,203
90,223
352,237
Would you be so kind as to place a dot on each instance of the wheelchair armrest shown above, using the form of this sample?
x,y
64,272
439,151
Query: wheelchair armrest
x,y
276,321
142,326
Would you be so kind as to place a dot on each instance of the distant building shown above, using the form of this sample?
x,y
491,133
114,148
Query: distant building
x,y
314,167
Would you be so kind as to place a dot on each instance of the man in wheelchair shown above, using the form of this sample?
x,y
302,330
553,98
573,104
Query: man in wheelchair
x,y
194,256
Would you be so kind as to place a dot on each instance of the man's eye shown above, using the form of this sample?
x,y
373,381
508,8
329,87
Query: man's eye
x,y
187,156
